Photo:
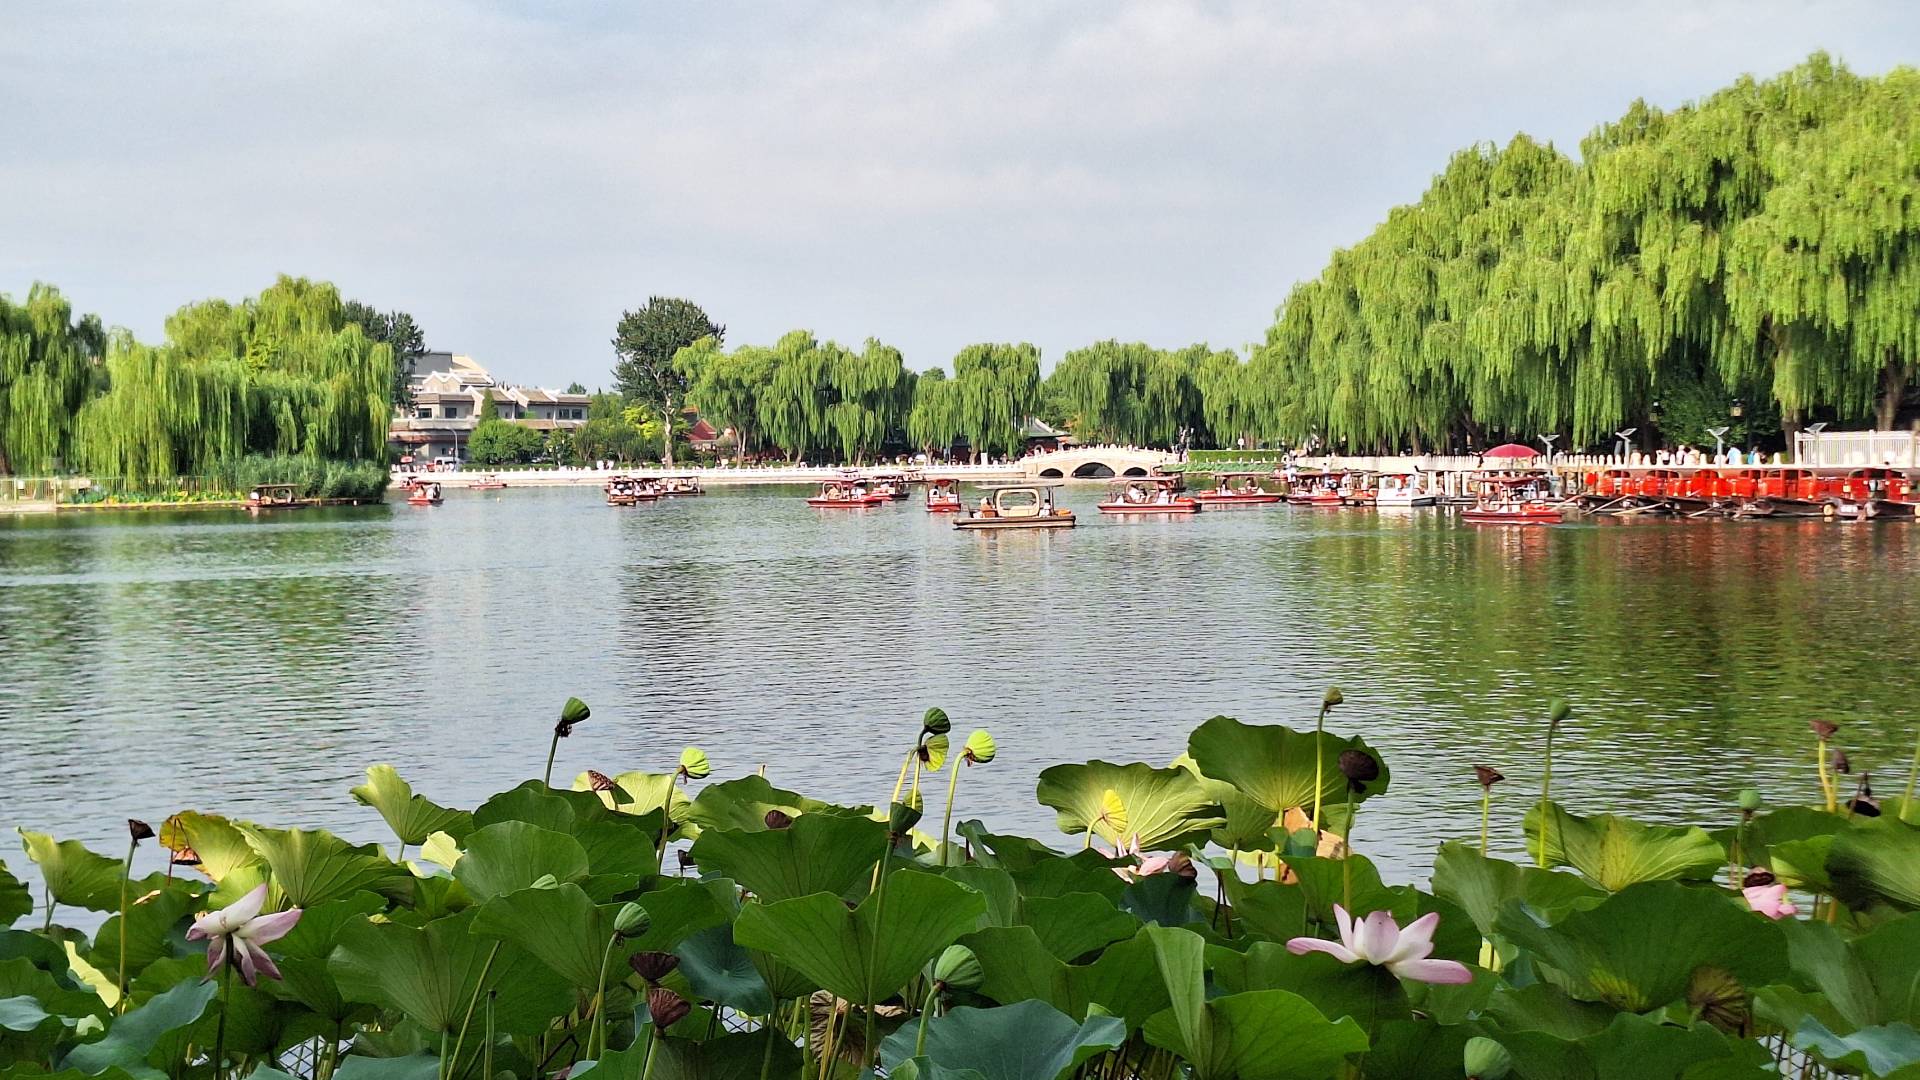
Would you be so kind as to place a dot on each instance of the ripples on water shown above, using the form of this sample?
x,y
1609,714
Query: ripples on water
x,y
255,667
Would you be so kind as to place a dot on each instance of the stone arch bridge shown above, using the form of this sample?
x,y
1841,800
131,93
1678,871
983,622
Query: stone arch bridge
x,y
1095,463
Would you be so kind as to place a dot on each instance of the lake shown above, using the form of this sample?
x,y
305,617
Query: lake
x,y
255,667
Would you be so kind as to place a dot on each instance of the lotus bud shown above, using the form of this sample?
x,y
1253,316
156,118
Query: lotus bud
x,y
958,968
632,921
600,781
1823,729
666,1008
779,819
1557,712
980,748
901,818
1359,767
936,722
573,712
1487,1060
1487,776
1839,761
653,966
694,764
139,830
1749,799
1756,877
1332,697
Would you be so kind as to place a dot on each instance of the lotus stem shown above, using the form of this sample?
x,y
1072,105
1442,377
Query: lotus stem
x,y
47,926
125,879
868,1050
1913,777
553,748
1486,807
1319,761
485,970
1546,804
1826,782
446,1067
220,1024
598,1037
653,1044
1346,859
946,820
926,1010
486,1052
900,784
400,856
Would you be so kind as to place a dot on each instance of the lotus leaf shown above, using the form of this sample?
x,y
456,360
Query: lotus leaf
x,y
1615,852
728,1057
1876,861
534,803
1639,948
867,954
412,817
1879,1051
1481,886
1274,765
80,878
743,804
223,852
1073,925
135,1033
309,867
302,954
720,971
511,855
681,907
15,900
817,853
1247,819
1369,994
1165,809
1003,895
1015,966
431,974
1028,1041
561,927
1011,853
1410,1050
1634,1048
1868,981
1161,899
407,1067
151,929
1085,871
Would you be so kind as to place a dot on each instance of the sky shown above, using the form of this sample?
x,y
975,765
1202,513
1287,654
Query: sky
x,y
931,174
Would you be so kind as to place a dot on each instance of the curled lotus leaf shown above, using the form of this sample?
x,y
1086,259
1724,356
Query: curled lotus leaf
x,y
1163,809
1615,852
1274,765
412,817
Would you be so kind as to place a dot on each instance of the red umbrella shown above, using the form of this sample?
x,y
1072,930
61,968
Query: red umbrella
x,y
1512,450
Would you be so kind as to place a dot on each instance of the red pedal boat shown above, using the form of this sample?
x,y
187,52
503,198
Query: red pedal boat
x,y
1511,513
1247,493
847,495
943,495
1149,496
426,494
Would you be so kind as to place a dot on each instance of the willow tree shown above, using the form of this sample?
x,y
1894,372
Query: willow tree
x,y
49,363
726,387
824,397
996,387
1229,408
933,423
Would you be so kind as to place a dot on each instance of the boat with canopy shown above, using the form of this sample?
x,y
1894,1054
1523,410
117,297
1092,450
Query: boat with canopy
x,y
1236,489
1158,496
1017,506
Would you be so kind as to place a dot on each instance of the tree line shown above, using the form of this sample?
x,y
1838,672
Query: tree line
x,y
295,371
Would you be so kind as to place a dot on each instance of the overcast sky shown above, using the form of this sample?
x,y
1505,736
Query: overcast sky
x,y
931,174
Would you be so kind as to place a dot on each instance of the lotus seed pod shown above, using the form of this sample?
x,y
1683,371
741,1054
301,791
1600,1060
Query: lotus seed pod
x,y
1487,1060
1749,799
1359,767
632,921
139,830
653,966
1840,761
573,712
666,1008
1487,775
599,781
1333,697
779,819
1757,877
1557,712
958,968
980,747
1823,729
936,722
694,764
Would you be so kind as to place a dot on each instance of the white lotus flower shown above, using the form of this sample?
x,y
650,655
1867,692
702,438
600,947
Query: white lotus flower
x,y
241,930
1378,940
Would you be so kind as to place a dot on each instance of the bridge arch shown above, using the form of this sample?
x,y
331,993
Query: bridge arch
x,y
1095,463
1093,470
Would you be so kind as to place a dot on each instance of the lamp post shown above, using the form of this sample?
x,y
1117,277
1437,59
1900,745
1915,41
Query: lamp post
x,y
1623,435
1813,430
1719,444
1547,441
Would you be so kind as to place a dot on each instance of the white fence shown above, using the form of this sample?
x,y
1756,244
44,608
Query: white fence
x,y
1897,449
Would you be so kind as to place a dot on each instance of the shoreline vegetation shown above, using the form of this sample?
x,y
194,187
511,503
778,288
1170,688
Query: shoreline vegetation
x,y
1742,263
1214,918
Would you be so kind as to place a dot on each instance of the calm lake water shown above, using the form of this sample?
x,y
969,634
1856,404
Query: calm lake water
x,y
154,662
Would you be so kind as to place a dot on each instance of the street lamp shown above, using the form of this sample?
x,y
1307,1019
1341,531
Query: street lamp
x,y
1813,430
1737,409
1547,441
1653,414
1623,436
1719,444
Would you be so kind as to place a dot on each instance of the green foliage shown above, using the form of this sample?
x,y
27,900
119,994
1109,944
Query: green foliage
x,y
49,367
647,343
503,442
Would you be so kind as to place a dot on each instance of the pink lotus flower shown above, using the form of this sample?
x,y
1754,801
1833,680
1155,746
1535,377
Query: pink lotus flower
x,y
1176,862
1378,940
241,930
1770,900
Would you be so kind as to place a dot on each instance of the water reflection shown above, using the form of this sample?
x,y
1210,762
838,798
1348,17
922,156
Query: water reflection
x,y
256,666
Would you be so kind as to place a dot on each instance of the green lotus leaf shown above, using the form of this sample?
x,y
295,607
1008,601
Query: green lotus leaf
x,y
22,1013
1639,948
1877,1051
1166,809
89,976
817,853
1263,909
561,927
302,954
1084,871
405,1067
1369,994
925,1068
134,1034
1876,861
412,817
1247,820
1615,852
681,907
511,855
619,855
15,899
80,878
1011,853
1544,1007
20,978
1780,826
441,849
432,973
1073,925
1482,886
636,793
534,803
743,804
1003,896
308,867
1803,863
1273,764
223,851
151,925
1868,981
722,972
1419,1050
1016,967
1162,900
1634,1048
867,954
728,1057
1030,1040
